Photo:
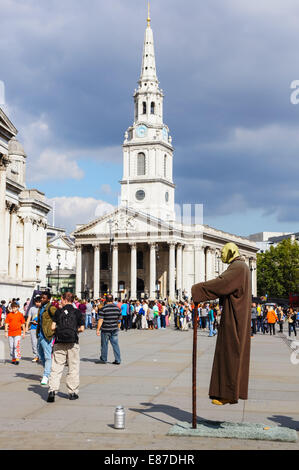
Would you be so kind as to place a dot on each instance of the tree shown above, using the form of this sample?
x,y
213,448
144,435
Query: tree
x,y
278,270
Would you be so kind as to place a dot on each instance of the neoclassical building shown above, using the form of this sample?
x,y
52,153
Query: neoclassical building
x,y
23,221
149,246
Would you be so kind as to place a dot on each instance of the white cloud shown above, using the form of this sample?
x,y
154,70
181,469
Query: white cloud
x,y
72,211
54,165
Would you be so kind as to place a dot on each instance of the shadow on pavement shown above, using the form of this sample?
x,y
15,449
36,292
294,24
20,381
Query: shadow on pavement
x,y
29,376
285,421
176,413
86,359
39,390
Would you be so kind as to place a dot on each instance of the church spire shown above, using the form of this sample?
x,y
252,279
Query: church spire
x,y
148,70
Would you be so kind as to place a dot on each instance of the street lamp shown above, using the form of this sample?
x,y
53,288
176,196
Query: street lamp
x,y
49,270
58,267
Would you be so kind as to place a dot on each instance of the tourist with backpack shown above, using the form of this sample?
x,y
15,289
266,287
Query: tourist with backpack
x,y
67,323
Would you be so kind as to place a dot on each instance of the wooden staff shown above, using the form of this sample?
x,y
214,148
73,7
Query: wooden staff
x,y
194,363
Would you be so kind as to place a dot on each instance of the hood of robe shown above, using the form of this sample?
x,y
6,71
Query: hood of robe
x,y
229,253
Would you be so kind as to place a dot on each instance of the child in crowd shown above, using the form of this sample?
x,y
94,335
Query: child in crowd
x,y
14,324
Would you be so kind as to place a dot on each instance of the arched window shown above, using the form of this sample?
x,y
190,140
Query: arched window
x,y
140,164
144,107
165,166
152,107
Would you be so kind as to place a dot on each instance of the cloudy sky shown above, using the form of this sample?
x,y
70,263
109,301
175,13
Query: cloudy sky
x,y
226,68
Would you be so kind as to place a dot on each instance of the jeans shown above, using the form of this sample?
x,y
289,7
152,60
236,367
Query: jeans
x,y
88,321
111,336
292,326
44,349
163,321
212,331
272,328
159,322
253,326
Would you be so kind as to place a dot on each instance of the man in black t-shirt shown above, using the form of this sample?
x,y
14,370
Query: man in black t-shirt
x,y
67,323
108,326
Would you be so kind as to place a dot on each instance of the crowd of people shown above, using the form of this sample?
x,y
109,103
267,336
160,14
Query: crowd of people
x,y
54,325
265,318
158,314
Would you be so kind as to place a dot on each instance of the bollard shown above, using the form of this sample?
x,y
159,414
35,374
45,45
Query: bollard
x,y
119,417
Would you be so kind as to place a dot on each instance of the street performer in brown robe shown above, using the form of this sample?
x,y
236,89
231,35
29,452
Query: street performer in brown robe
x,y
230,373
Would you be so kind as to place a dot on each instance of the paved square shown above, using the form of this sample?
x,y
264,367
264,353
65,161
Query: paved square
x,y
153,383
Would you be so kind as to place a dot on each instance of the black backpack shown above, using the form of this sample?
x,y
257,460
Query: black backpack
x,y
67,325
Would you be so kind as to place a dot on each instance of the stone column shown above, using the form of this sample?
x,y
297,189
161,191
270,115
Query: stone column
x,y
12,242
79,271
96,273
4,161
253,276
179,258
115,271
209,264
152,271
172,270
29,259
44,254
133,271
199,264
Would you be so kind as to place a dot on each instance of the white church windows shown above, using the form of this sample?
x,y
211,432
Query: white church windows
x,y
167,196
152,107
140,195
144,107
141,164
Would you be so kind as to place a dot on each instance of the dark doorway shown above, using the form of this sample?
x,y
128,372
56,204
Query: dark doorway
x,y
140,287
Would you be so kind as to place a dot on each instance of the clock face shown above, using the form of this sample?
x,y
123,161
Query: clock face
x,y
165,133
141,131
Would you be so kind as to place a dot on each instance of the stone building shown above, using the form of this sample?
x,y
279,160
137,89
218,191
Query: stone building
x,y
148,246
61,264
23,221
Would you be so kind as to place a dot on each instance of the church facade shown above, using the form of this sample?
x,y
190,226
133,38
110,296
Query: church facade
x,y
149,247
23,221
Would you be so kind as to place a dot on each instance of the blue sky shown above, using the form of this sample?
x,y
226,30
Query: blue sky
x,y
226,66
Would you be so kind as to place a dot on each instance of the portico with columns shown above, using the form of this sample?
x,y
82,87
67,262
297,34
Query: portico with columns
x,y
23,221
140,250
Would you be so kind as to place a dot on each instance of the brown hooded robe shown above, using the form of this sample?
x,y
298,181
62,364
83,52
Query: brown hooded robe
x,y
230,373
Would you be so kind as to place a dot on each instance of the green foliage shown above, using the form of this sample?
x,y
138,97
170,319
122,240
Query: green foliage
x,y
278,270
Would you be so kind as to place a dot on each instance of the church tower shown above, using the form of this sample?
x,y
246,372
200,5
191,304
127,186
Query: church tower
x,y
147,183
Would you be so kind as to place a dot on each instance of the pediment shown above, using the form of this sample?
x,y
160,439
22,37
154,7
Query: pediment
x,y
59,242
122,221
6,126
